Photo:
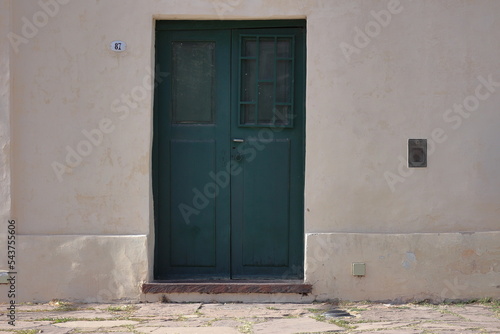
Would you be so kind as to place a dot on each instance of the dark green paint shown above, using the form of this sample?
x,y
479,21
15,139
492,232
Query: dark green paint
x,y
227,24
192,231
251,224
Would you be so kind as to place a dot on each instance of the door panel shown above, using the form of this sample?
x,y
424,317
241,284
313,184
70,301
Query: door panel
x,y
192,240
266,203
229,163
191,142
267,197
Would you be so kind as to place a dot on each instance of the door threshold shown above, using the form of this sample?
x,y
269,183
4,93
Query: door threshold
x,y
228,286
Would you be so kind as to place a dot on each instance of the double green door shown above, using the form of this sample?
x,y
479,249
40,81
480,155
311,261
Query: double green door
x,y
229,150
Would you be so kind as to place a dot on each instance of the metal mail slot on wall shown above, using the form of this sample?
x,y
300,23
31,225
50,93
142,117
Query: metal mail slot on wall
x,y
417,152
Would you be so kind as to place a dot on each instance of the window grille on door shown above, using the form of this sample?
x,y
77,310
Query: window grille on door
x,y
266,81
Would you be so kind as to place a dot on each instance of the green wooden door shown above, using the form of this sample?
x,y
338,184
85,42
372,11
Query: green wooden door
x,y
229,152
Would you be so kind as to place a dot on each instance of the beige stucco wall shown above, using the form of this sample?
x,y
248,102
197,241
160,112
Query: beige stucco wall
x,y
360,114
5,140
404,267
84,267
367,93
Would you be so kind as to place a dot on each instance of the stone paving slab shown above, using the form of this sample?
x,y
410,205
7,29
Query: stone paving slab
x,y
54,330
187,322
21,325
376,326
231,318
476,313
96,324
227,323
80,314
405,313
292,326
160,310
401,331
254,312
191,330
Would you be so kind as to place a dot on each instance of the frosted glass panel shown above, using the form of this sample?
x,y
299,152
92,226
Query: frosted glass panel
x,y
193,82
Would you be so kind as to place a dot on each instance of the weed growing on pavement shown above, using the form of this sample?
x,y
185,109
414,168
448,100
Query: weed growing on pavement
x,y
339,322
445,311
272,308
315,310
358,309
476,329
487,300
347,303
58,310
130,319
66,308
493,303
61,320
483,301
37,310
211,322
366,321
122,308
246,328
424,302
57,320
495,306
62,306
132,329
342,323
26,331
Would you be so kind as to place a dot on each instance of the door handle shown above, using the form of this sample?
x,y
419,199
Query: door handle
x,y
238,140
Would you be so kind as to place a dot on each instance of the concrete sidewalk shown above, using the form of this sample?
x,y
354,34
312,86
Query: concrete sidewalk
x,y
193,318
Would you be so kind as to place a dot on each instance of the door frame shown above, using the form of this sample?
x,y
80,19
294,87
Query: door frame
x,y
185,25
